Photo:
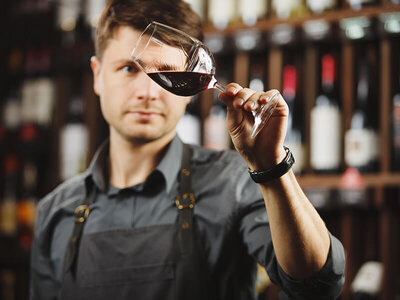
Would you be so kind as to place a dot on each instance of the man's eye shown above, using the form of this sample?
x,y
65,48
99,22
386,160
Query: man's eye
x,y
129,69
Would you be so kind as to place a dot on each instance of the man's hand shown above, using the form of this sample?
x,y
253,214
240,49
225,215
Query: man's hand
x,y
266,149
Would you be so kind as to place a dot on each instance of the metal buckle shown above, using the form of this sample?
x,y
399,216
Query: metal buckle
x,y
81,213
183,197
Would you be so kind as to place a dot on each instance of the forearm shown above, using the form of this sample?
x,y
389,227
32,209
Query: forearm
x,y
300,238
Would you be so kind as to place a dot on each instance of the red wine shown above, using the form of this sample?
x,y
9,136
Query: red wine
x,y
182,83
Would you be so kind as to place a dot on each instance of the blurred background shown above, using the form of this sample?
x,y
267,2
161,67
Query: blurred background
x,y
336,62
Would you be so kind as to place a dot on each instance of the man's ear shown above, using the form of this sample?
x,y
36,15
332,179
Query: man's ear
x,y
95,64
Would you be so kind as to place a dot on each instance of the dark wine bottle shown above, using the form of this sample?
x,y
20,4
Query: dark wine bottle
x,y
256,76
326,121
361,140
396,120
26,206
73,140
8,203
293,138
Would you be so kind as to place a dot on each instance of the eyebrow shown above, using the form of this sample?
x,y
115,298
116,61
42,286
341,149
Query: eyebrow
x,y
161,66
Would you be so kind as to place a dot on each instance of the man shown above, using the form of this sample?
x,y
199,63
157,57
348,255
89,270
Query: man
x,y
152,218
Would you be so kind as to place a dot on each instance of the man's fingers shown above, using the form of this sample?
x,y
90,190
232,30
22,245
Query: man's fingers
x,y
232,89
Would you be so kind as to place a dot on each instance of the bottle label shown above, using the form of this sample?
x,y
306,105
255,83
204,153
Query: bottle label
x,y
361,147
325,138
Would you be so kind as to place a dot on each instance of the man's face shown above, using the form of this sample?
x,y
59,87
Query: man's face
x,y
134,106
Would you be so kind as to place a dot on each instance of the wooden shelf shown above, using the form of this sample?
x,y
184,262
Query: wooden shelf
x,y
373,180
329,16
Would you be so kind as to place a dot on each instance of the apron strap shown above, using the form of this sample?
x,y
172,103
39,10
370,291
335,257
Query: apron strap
x,y
185,203
80,215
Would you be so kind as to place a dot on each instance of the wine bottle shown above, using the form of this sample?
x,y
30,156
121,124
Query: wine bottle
x,y
293,138
37,101
256,76
325,148
26,205
215,133
73,140
93,11
12,112
198,7
68,14
367,283
361,140
252,10
396,121
358,4
45,92
8,204
8,284
284,9
71,22
319,6
221,12
189,126
352,191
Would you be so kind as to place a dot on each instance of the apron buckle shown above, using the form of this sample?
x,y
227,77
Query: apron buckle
x,y
183,197
81,213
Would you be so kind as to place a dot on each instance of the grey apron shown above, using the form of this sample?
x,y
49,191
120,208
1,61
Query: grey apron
x,y
154,262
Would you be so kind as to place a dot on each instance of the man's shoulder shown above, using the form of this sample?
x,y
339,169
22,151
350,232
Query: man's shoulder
x,y
64,195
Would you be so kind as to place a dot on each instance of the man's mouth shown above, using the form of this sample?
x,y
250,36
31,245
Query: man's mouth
x,y
145,115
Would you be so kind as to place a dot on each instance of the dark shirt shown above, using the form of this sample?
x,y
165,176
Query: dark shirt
x,y
229,213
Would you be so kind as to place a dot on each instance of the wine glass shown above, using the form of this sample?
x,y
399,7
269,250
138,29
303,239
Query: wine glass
x,y
184,66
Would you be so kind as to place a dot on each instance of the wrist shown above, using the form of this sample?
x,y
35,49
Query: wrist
x,y
275,172
268,159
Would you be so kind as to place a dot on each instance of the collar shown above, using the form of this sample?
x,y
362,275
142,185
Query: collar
x,y
169,165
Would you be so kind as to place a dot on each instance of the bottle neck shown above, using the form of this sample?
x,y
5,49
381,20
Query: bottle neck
x,y
328,73
289,85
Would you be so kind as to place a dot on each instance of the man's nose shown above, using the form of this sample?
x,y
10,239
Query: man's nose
x,y
147,89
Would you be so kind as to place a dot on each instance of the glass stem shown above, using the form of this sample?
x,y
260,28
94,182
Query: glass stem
x,y
219,87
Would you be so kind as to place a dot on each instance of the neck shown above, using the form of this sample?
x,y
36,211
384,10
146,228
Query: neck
x,y
131,162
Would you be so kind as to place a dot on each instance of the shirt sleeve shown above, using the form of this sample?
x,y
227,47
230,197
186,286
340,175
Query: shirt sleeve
x,y
43,284
256,235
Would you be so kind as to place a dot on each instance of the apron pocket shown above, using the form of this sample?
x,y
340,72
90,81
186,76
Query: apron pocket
x,y
131,275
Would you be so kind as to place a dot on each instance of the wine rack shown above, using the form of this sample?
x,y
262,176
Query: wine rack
x,y
368,232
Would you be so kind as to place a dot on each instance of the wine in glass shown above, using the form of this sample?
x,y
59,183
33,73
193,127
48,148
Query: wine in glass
x,y
184,66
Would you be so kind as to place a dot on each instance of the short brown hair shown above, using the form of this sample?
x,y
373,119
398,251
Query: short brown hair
x,y
139,13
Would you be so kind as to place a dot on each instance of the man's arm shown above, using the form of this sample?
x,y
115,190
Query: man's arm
x,y
299,236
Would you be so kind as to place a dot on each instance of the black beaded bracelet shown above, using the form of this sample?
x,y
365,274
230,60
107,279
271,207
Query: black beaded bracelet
x,y
275,172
